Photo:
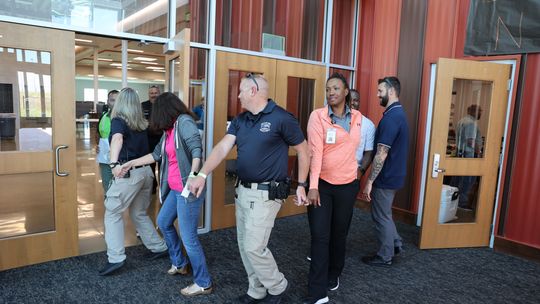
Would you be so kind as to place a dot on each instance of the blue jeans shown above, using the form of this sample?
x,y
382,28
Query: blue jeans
x,y
187,211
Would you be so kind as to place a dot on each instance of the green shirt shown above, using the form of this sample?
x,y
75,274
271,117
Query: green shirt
x,y
104,125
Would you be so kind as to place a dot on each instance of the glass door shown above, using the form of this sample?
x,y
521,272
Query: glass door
x,y
38,209
465,146
297,87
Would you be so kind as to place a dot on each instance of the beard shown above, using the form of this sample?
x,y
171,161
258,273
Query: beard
x,y
384,100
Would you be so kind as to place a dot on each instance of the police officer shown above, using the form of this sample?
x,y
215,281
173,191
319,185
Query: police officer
x,y
262,135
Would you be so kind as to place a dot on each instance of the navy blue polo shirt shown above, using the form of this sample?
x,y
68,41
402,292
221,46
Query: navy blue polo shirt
x,y
393,132
135,143
263,142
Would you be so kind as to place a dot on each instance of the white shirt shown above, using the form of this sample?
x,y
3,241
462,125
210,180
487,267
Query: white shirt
x,y
367,138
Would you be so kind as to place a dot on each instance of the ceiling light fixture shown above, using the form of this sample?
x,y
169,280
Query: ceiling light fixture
x,y
144,59
104,59
135,51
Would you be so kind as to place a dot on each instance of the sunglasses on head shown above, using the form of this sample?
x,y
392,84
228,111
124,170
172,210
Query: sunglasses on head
x,y
252,77
387,81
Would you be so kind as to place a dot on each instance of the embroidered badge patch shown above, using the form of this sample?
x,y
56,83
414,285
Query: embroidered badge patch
x,y
265,126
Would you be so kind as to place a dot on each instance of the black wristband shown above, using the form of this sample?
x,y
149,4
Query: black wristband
x,y
304,184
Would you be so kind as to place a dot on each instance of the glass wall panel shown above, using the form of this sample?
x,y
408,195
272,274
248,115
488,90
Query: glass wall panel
x,y
285,27
193,16
33,211
25,100
145,17
198,84
197,99
343,22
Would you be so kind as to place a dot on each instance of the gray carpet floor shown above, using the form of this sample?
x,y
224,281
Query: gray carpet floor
x,y
476,275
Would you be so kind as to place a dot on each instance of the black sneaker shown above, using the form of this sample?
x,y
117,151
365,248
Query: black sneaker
x,y
398,250
314,300
273,299
333,284
245,299
376,260
110,268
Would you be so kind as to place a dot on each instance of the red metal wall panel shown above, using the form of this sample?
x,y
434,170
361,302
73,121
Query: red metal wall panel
x,y
522,222
439,42
379,45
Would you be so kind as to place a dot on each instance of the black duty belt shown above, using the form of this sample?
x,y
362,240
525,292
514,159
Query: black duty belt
x,y
265,187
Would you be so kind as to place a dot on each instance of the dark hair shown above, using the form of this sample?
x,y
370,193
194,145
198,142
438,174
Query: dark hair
x,y
166,110
112,92
391,82
340,76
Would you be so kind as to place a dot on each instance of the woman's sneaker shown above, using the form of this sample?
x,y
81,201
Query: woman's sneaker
x,y
195,290
175,270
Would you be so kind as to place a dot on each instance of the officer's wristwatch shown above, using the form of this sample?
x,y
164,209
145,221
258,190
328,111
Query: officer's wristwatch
x,y
112,165
304,184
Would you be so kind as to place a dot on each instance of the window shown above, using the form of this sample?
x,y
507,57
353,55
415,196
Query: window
x,y
89,95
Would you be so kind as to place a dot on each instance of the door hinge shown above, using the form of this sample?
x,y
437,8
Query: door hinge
x,y
509,86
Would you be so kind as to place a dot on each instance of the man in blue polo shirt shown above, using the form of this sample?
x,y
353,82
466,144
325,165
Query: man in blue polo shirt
x,y
387,171
262,135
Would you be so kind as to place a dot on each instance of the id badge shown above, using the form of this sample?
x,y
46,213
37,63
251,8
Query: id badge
x,y
185,191
331,136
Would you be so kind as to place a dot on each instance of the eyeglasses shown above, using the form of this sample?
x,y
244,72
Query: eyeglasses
x,y
252,77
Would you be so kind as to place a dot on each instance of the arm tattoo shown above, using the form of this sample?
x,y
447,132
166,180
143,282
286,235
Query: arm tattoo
x,y
378,161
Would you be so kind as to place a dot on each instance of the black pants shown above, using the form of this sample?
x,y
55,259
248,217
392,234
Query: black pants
x,y
329,225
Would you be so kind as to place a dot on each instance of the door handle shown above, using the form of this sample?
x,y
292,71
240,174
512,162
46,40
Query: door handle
x,y
57,155
436,169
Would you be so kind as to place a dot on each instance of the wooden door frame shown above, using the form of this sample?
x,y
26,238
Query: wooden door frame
x,y
226,217
430,226
276,72
63,241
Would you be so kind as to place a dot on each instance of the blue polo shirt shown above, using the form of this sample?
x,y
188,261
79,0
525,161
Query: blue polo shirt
x,y
263,142
393,132
134,144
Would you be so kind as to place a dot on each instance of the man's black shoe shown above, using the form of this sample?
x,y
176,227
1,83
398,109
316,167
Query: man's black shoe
x,y
275,299
376,261
398,250
245,299
158,255
110,268
333,284
314,300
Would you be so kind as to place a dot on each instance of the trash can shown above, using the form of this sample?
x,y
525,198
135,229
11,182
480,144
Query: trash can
x,y
449,204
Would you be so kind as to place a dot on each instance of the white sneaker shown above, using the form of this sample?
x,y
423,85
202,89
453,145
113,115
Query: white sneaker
x,y
195,290
175,270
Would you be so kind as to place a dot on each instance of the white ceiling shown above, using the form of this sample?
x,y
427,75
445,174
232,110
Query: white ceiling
x,y
110,55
